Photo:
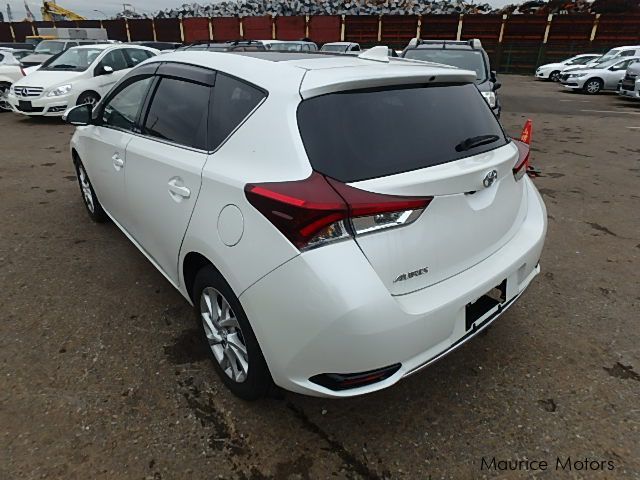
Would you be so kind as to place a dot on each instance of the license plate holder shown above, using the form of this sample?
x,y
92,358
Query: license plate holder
x,y
497,296
25,105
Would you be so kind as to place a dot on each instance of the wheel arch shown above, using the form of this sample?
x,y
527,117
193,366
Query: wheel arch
x,y
192,263
89,91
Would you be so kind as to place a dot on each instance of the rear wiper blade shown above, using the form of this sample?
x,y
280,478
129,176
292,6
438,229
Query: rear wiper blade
x,y
472,142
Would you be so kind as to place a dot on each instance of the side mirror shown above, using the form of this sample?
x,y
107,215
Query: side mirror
x,y
494,76
105,70
496,86
79,116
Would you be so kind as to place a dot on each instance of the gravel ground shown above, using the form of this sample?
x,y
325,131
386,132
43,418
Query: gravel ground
x,y
102,375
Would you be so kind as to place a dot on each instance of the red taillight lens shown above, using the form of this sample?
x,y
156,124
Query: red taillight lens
x,y
299,209
319,210
520,168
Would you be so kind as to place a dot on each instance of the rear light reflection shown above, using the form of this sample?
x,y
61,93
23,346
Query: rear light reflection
x,y
345,381
318,210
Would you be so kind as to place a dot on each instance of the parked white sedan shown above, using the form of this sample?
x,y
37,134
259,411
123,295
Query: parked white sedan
x,y
551,71
327,239
79,75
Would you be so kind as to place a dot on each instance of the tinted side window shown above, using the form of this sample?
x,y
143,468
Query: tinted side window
x,y
71,44
362,134
178,113
1,58
233,100
115,59
628,53
137,55
122,110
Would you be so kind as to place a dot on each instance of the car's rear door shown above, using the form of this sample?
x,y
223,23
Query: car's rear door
x,y
165,162
439,141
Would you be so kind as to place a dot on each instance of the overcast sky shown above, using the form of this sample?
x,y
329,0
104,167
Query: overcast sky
x,y
87,8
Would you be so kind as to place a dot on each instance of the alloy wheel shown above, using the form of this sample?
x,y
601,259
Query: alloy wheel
x,y
85,186
593,86
224,334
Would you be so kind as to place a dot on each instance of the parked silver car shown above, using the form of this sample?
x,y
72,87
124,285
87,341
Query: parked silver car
x,y
603,76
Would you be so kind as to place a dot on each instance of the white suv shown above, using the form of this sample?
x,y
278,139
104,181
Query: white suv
x,y
79,75
339,222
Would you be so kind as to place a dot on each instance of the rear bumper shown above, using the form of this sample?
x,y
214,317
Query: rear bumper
x,y
327,311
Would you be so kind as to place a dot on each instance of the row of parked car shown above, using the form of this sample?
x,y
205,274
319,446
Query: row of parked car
x,y
617,70
67,73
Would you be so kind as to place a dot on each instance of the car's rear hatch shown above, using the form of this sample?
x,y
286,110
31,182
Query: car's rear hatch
x,y
439,141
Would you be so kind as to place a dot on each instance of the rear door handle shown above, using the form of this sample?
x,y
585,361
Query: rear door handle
x,y
118,162
177,190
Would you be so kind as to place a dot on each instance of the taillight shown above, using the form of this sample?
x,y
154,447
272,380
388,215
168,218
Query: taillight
x,y
520,169
524,150
370,211
318,210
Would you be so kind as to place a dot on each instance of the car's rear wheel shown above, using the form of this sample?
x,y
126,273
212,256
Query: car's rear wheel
x,y
555,76
89,197
229,337
4,91
88,97
592,86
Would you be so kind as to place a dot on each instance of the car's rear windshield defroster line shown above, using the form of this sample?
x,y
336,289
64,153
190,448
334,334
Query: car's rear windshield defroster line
x,y
362,134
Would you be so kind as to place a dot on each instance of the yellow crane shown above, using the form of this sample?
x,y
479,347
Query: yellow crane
x,y
52,12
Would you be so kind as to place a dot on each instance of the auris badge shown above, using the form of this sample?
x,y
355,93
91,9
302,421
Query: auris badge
x,y
490,178
408,275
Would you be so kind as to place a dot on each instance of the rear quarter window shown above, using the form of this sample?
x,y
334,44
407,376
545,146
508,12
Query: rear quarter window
x,y
362,134
233,101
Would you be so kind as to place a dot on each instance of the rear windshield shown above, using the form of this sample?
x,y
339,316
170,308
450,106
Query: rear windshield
x,y
466,59
362,134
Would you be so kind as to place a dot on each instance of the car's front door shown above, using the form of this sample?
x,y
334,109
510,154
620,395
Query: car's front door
x,y
104,81
165,162
107,142
615,73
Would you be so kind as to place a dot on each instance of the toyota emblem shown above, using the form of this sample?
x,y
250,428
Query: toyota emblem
x,y
490,178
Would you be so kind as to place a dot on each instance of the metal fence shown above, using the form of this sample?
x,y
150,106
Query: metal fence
x,y
515,43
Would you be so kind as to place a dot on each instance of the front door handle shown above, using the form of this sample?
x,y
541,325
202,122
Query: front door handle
x,y
177,190
118,161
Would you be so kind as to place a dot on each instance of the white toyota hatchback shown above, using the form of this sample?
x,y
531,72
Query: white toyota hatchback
x,y
79,75
338,222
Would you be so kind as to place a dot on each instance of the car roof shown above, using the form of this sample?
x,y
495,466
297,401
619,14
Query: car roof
x,y
112,46
322,72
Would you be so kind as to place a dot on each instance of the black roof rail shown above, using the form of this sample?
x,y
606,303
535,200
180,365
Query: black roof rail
x,y
444,43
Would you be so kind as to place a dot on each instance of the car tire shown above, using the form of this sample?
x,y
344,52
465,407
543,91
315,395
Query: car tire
x,y
91,203
554,76
4,90
592,86
88,97
228,336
